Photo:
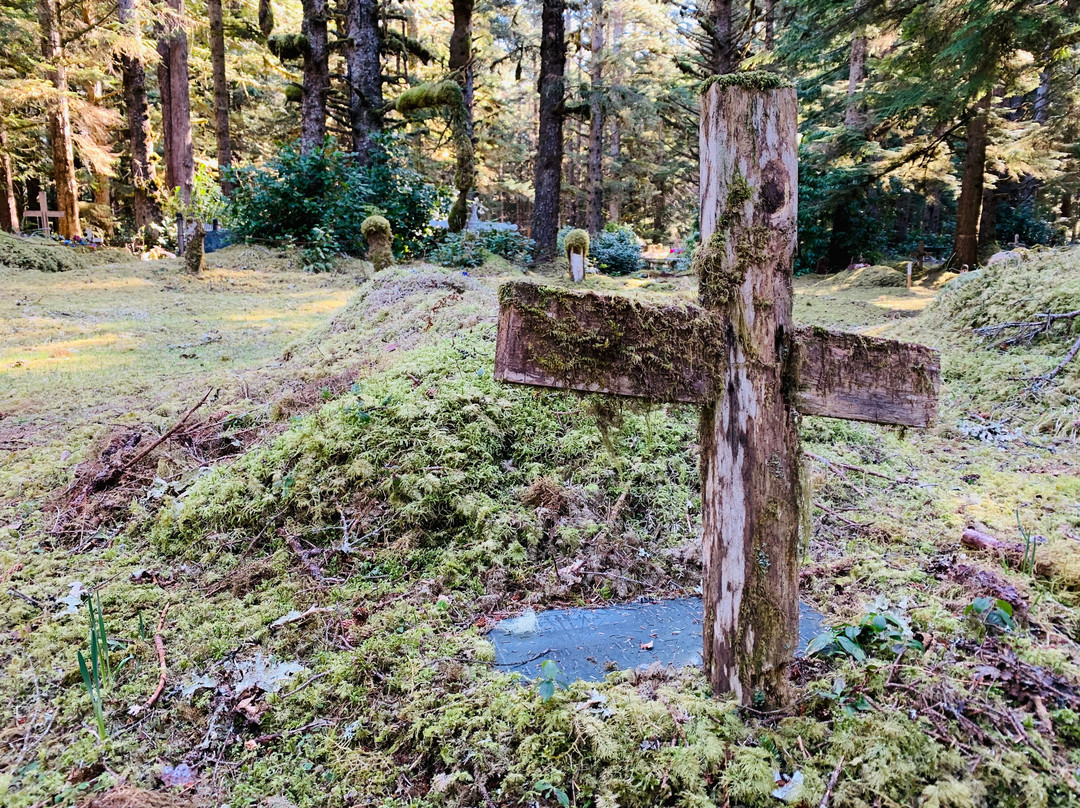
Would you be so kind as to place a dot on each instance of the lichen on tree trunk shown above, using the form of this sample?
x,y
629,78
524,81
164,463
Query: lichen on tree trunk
x,y
749,445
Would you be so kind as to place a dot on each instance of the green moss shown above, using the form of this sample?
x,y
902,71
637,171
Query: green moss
x,y
288,47
376,226
447,96
379,238
748,80
719,278
37,254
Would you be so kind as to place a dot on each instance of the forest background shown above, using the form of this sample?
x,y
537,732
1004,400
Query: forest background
x,y
939,129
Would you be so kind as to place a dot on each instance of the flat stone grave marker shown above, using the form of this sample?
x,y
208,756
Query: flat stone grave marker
x,y
589,643
741,359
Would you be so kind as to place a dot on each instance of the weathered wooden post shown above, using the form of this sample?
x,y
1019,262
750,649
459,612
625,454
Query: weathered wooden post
x,y
739,357
749,444
181,236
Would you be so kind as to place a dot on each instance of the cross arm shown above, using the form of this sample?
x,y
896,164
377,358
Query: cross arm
x,y
552,337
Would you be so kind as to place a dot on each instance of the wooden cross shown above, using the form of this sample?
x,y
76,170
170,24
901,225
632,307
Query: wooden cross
x,y
741,359
43,214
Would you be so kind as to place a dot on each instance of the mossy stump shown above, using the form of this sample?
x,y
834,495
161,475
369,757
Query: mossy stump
x,y
380,241
195,254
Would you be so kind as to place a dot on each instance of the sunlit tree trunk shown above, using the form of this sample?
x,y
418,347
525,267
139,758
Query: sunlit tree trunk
x,y
549,151
365,74
595,216
856,74
133,74
966,238
221,93
59,120
316,81
9,209
176,103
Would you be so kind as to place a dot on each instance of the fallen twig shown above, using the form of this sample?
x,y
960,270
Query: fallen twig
x,y
175,428
871,472
1061,366
159,646
832,784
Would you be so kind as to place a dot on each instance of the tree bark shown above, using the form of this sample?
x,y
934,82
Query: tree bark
x,y
365,75
719,44
461,69
594,219
615,146
856,73
749,442
966,238
221,93
133,74
176,103
9,210
988,218
549,149
770,24
316,80
59,118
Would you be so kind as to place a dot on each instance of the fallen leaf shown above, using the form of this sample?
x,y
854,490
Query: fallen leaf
x,y
647,646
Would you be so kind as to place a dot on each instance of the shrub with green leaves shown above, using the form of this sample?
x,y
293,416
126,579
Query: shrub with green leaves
x,y
875,635
615,251
508,244
292,194
462,250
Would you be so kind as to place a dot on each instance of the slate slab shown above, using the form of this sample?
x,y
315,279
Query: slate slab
x,y
589,643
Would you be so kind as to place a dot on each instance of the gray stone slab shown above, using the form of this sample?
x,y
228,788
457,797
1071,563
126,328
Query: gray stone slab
x,y
589,643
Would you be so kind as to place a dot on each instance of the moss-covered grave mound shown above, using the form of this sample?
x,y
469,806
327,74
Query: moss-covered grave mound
x,y
36,254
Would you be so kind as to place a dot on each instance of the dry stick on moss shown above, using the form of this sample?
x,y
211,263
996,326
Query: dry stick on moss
x,y
832,784
871,472
176,428
163,674
1068,358
1028,330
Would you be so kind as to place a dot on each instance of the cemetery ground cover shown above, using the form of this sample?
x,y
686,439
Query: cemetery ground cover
x,y
321,545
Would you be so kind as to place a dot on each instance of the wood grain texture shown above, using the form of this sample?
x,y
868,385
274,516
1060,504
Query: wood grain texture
x,y
861,378
676,353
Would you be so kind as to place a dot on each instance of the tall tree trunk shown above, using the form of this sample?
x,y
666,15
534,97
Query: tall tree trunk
x,y
770,24
461,69
316,76
615,146
365,75
1042,94
9,211
549,147
138,117
718,50
176,103
966,238
988,218
221,93
856,73
63,153
595,217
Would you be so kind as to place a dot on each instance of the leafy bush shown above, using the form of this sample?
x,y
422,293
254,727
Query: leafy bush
x,y
293,194
875,634
616,251
508,244
463,250
321,253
